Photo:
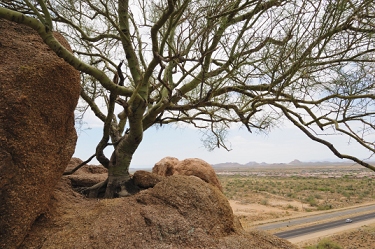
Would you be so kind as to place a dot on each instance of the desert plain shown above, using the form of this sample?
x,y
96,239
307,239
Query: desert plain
x,y
266,193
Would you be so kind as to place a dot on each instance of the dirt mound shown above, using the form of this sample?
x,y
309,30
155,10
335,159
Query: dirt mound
x,y
179,212
38,94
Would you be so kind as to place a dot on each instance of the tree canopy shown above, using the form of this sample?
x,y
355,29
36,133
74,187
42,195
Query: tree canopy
x,y
214,63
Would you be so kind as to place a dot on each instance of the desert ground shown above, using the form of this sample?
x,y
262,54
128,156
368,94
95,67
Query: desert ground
x,y
260,195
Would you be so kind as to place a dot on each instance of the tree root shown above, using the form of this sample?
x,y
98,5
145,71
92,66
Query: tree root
x,y
120,186
107,189
95,191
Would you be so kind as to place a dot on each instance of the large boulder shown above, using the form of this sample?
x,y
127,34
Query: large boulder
x,y
189,167
144,179
165,167
178,212
38,95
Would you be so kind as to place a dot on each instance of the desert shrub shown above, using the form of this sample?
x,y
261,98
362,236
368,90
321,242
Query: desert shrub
x,y
324,189
365,193
325,207
325,244
312,201
264,202
290,206
346,194
350,187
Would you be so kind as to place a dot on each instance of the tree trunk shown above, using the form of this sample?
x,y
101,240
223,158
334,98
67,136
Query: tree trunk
x,y
120,183
117,186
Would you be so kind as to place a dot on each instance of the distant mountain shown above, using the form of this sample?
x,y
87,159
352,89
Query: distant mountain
x,y
252,164
295,162
228,165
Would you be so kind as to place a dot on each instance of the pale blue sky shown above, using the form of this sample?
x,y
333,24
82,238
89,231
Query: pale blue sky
x,y
282,145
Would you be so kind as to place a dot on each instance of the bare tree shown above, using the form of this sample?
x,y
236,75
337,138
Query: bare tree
x,y
213,63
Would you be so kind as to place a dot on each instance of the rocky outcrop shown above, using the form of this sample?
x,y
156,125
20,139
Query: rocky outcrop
x,y
178,212
38,95
189,167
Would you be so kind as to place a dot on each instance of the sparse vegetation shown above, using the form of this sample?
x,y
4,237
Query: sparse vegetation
x,y
316,193
312,201
264,202
325,244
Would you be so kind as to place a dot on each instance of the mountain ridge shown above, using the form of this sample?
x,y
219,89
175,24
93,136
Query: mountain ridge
x,y
295,162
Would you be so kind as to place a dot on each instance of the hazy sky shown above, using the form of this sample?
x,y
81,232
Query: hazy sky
x,y
282,145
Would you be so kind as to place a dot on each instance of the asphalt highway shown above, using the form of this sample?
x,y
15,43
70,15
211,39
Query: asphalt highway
x,y
319,217
324,226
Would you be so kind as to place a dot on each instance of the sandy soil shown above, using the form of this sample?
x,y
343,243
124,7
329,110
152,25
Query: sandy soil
x,y
251,214
252,209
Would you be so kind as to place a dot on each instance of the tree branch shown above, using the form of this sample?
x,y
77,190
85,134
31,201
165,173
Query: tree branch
x,y
79,166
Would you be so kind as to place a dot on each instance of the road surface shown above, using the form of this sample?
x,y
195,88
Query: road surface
x,y
316,218
324,226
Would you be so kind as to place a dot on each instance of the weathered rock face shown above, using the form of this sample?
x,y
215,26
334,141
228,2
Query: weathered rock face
x,y
38,95
189,167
